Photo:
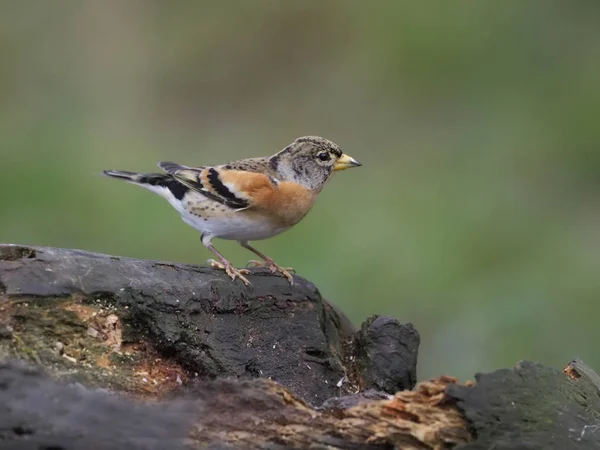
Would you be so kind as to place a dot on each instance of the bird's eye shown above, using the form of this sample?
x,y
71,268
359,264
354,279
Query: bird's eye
x,y
324,156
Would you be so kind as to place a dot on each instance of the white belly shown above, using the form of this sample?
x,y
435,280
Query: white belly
x,y
235,227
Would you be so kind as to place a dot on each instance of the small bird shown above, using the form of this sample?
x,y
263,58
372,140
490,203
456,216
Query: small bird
x,y
250,199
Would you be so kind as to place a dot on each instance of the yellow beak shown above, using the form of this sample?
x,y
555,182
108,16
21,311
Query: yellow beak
x,y
345,162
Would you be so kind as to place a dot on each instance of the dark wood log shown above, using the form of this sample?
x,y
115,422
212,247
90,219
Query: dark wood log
x,y
36,412
530,407
147,327
152,355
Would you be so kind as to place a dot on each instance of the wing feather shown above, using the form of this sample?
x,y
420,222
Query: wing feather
x,y
234,188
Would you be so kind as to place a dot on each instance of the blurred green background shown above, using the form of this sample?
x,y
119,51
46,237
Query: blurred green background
x,y
475,215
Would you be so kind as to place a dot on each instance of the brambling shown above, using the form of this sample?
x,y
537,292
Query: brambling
x,y
249,199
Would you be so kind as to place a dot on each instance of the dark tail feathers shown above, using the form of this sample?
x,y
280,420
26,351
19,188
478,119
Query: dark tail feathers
x,y
122,174
151,179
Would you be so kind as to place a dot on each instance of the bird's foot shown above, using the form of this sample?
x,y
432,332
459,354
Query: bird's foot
x,y
270,264
231,271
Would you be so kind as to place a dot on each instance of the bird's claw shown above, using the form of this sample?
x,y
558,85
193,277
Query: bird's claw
x,y
270,264
231,271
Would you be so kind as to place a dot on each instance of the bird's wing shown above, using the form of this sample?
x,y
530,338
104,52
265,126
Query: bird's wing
x,y
238,189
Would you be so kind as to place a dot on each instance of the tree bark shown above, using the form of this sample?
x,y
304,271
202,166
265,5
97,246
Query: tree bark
x,y
266,366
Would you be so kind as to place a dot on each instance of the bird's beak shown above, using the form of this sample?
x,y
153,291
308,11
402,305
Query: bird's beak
x,y
345,162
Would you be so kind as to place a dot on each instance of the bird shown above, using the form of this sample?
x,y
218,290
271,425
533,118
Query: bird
x,y
248,199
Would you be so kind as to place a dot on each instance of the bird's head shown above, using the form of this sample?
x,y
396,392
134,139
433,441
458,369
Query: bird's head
x,y
310,161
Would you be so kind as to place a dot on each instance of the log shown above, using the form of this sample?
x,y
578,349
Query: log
x,y
100,351
146,327
530,407
223,413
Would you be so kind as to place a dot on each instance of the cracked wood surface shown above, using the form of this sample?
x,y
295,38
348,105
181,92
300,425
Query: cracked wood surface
x,y
269,366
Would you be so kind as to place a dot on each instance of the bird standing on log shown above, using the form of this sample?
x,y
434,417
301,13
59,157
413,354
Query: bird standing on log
x,y
249,199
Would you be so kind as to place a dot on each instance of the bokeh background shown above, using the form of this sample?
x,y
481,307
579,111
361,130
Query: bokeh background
x,y
475,216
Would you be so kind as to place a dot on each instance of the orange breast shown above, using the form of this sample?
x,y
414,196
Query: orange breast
x,y
289,203
286,204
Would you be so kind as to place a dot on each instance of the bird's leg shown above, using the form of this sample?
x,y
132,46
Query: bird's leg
x,y
267,262
224,264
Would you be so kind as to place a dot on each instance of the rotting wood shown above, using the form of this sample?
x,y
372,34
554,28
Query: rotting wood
x,y
155,331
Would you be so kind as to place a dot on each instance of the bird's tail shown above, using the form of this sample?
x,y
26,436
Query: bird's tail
x,y
160,183
152,179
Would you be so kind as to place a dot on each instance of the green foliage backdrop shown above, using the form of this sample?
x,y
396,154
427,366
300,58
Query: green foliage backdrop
x,y
475,215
